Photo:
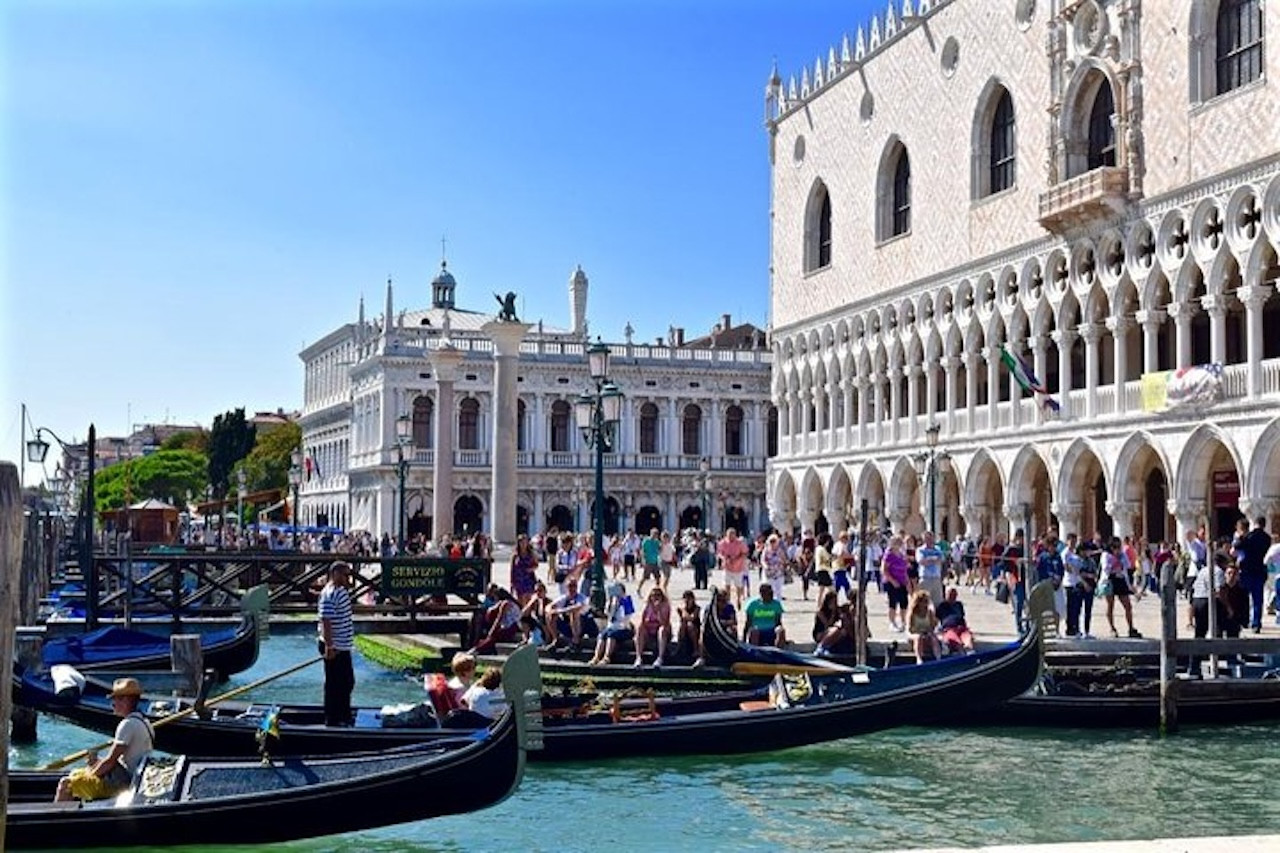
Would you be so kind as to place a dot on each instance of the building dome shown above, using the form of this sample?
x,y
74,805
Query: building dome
x,y
442,288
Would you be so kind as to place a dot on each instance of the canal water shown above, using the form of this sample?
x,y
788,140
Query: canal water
x,y
901,788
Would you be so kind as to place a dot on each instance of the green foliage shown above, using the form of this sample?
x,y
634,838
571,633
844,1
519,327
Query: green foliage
x,y
166,475
197,441
267,465
230,440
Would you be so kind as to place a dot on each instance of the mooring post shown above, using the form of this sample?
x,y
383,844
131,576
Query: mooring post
x,y
1168,650
10,582
28,652
187,656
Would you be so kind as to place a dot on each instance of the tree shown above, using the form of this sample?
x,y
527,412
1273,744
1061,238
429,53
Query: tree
x,y
197,441
166,475
230,440
267,465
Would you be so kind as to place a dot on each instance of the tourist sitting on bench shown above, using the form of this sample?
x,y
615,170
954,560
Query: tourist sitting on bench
x,y
619,629
689,641
764,620
655,627
568,616
922,622
955,631
501,619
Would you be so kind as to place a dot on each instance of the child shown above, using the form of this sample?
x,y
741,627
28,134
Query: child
x,y
922,622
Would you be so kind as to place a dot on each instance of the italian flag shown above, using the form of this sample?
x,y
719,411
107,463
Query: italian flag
x,y
1021,372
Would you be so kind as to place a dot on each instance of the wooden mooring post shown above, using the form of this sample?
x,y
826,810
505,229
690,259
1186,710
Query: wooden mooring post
x,y
187,656
28,651
1168,650
10,583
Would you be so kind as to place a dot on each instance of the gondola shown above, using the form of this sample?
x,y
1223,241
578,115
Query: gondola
x,y
228,651
792,711
1096,701
261,800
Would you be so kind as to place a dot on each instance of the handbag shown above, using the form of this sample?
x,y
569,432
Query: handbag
x,y
1104,588
1002,592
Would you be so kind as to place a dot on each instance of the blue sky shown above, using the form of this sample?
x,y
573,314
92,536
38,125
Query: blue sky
x,y
192,192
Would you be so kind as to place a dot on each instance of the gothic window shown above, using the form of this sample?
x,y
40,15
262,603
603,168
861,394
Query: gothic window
x,y
1102,131
423,409
902,195
522,432
893,192
817,231
771,436
733,443
649,428
560,416
1003,155
469,424
1239,43
691,431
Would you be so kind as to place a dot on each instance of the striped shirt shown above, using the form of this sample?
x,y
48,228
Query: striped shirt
x,y
335,607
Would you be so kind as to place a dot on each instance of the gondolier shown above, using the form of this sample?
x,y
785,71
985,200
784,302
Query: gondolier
x,y
337,637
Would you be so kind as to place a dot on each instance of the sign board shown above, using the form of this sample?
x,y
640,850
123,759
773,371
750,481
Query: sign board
x,y
1226,489
435,576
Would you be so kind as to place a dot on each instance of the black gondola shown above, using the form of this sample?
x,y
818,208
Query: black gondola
x,y
239,801
227,652
830,707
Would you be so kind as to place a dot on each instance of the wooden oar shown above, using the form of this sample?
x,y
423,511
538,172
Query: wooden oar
x,y
756,668
178,715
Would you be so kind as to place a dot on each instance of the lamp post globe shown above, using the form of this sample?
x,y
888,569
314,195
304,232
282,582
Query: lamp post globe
x,y
295,480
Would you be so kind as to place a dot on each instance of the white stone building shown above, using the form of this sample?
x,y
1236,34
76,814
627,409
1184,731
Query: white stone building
x,y
684,401
1094,184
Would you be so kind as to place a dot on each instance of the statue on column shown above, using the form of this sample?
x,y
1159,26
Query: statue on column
x,y
507,314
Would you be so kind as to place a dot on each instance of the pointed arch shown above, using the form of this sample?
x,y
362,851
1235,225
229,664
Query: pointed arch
x,y
817,228
994,141
893,191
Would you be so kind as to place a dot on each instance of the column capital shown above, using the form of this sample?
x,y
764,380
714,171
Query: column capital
x,y
1038,342
1063,337
1118,325
506,336
914,371
1150,318
949,363
1254,295
971,359
1180,310
445,361
1214,305
1189,512
1091,332
895,371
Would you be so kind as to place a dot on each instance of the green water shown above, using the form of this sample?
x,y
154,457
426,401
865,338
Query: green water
x,y
902,788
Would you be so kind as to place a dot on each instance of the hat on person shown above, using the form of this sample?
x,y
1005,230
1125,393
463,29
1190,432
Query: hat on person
x,y
126,687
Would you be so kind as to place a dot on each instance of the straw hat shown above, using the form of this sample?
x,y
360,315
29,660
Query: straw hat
x,y
126,687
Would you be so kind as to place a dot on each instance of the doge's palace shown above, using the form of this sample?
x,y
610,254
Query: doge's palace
x,y
1092,186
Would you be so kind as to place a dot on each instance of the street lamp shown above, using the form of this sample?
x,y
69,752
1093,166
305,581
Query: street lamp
x,y
579,498
208,502
927,467
241,491
404,436
703,483
295,480
37,449
597,415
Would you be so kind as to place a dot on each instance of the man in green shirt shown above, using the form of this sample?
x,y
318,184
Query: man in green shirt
x,y
764,620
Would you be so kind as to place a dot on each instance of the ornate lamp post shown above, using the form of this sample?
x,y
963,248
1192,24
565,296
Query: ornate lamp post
x,y
404,436
927,468
295,480
208,501
703,484
241,491
597,415
37,449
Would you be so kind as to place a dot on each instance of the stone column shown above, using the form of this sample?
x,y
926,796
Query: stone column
x,y
1091,334
992,355
1181,313
970,388
444,363
913,400
895,401
1122,515
1150,321
930,392
1253,297
1216,307
972,515
506,337
1120,327
864,403
949,365
1064,338
1188,514
877,430
1068,518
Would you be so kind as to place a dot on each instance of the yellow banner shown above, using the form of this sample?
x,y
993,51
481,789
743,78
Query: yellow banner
x,y
1155,391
